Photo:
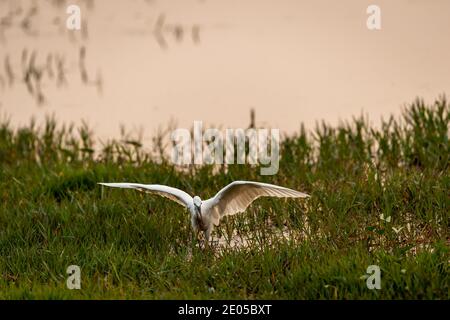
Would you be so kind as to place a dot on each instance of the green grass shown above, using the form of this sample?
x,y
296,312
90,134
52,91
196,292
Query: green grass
x,y
130,245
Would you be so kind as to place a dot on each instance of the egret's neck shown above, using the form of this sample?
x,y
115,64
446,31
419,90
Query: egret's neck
x,y
197,219
198,211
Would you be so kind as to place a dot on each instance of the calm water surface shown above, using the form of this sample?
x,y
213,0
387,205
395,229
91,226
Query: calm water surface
x,y
142,64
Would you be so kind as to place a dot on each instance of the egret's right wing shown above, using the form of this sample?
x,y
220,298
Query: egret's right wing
x,y
174,194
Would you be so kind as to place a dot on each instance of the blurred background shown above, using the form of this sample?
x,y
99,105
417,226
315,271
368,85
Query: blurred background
x,y
143,64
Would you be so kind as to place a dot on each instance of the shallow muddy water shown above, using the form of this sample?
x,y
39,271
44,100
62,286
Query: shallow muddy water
x,y
142,64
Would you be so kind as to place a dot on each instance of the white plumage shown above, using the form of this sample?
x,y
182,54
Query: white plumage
x,y
232,199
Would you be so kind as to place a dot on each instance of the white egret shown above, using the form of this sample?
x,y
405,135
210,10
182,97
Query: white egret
x,y
232,199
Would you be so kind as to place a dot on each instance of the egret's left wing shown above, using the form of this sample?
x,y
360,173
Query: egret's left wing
x,y
238,195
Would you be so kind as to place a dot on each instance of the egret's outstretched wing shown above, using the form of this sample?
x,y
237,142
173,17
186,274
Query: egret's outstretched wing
x,y
174,194
238,195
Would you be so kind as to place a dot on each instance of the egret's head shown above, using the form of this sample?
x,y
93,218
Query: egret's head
x,y
197,201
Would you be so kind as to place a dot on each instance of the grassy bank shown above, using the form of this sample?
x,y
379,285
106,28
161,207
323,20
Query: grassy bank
x,y
130,245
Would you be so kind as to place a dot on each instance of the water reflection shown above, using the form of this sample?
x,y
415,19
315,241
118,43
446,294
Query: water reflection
x,y
142,63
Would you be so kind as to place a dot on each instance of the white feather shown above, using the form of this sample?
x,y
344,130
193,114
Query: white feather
x,y
238,195
174,194
232,199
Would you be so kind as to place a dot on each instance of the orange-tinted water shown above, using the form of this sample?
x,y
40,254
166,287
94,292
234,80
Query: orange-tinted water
x,y
292,61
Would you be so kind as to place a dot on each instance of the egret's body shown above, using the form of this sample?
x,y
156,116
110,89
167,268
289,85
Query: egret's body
x,y
232,199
